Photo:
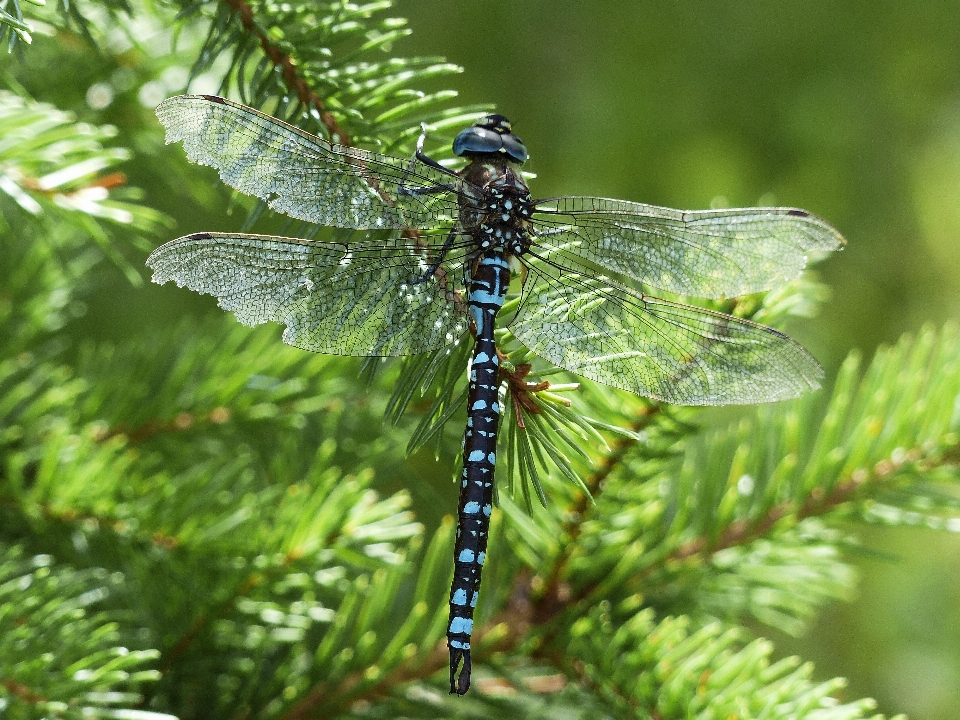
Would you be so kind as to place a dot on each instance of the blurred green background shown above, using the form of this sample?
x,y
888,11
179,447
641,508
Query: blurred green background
x,y
848,109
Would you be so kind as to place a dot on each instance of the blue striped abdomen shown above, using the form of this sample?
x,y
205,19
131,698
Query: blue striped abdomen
x,y
487,290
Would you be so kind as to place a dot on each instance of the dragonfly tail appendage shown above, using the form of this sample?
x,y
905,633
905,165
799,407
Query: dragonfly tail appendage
x,y
459,684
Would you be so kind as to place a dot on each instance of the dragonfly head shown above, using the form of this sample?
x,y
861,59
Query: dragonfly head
x,y
490,137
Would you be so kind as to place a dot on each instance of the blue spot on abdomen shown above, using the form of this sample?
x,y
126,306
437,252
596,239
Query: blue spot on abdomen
x,y
461,625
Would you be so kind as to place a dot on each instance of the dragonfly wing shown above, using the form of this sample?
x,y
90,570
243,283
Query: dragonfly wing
x,y
702,253
343,299
302,175
664,350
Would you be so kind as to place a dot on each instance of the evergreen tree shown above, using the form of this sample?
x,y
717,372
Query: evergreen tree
x,y
197,521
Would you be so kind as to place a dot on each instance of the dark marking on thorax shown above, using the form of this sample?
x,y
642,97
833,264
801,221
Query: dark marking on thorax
x,y
495,209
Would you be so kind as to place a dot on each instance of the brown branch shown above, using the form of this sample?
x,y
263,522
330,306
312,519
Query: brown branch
x,y
557,599
170,542
186,420
183,421
288,70
516,617
318,697
299,86
817,502
510,626
535,604
72,516
579,671
520,390
22,692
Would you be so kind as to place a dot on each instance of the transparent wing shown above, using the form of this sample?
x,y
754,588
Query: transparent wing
x,y
703,253
302,175
343,299
676,353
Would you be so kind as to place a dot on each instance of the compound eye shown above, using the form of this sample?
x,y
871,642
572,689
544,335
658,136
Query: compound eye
x,y
514,147
477,140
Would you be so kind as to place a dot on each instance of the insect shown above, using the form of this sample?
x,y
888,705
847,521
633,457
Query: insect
x,y
455,241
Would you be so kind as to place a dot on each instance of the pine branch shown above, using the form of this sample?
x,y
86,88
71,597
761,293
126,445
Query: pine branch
x,y
874,441
577,513
670,669
214,468
319,67
180,383
60,181
287,66
60,653
640,557
328,545
15,24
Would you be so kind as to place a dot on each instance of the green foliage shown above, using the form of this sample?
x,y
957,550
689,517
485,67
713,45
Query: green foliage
x,y
705,672
13,26
58,180
228,509
17,27
59,652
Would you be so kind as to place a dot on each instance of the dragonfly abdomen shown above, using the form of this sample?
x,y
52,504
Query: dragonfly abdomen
x,y
487,290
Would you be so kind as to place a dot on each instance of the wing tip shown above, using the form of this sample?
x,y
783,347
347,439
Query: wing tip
x,y
155,260
166,113
177,99
828,238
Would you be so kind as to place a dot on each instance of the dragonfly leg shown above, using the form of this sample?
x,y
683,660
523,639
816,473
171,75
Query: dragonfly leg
x,y
435,265
430,162
431,190
422,156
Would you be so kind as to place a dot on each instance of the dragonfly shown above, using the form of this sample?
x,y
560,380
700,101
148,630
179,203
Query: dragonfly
x,y
440,272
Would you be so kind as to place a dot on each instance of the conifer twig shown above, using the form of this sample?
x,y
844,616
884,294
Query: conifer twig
x,y
817,502
288,70
578,511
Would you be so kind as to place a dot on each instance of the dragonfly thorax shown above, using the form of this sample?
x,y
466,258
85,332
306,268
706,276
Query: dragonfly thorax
x,y
498,215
